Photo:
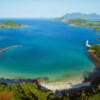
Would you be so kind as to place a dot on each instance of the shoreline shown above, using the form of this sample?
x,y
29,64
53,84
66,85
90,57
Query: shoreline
x,y
69,84
44,82
94,58
60,85
52,85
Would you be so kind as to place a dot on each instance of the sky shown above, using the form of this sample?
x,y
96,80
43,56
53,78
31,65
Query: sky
x,y
46,8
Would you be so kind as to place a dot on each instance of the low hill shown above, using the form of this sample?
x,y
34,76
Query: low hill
x,y
11,24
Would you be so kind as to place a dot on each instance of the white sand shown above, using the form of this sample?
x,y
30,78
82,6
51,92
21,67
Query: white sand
x,y
60,85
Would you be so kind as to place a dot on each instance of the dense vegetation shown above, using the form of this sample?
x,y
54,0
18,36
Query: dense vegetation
x,y
78,22
30,91
23,91
10,24
96,48
81,22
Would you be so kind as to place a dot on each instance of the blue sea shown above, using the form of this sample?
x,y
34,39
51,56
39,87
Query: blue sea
x,y
48,49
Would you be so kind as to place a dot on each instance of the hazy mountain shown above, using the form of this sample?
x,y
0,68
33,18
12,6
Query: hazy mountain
x,y
82,16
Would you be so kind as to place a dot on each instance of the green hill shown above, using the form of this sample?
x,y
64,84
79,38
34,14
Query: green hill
x,y
81,22
10,24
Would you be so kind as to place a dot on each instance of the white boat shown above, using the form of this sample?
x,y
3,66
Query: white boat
x,y
87,44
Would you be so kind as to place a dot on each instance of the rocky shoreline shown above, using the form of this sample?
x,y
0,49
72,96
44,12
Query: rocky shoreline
x,y
94,58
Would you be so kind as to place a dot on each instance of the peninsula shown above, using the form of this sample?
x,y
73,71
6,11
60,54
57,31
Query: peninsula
x,y
95,25
83,22
11,24
91,20
94,52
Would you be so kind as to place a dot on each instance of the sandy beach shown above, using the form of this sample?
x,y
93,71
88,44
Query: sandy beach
x,y
60,85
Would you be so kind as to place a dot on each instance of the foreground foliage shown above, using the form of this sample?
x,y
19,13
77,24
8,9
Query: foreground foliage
x,y
30,91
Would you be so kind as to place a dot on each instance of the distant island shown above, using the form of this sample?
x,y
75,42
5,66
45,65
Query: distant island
x,y
11,24
79,19
82,22
95,25
91,16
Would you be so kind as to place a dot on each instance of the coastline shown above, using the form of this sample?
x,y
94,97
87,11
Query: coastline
x,y
94,58
60,85
45,82
68,84
53,85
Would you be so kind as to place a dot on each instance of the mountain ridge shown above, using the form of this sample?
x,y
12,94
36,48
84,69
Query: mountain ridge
x,y
82,16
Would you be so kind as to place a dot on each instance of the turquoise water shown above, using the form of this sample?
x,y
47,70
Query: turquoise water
x,y
49,49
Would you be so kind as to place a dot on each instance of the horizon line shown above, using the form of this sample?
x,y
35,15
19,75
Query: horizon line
x,y
25,17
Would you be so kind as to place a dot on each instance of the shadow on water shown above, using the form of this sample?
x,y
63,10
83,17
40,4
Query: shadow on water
x,y
93,77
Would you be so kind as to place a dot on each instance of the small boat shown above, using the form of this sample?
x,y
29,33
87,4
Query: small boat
x,y
87,44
